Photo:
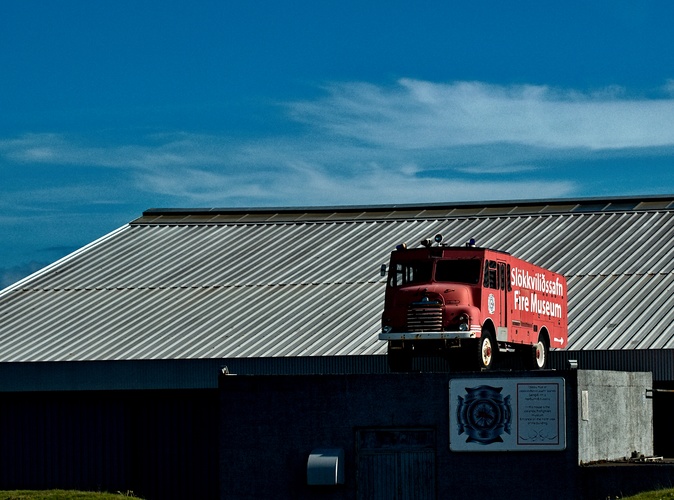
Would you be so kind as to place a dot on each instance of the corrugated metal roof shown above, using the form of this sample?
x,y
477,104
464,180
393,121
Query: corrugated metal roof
x,y
234,283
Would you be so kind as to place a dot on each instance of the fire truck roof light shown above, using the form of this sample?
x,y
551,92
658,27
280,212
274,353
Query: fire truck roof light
x,y
471,242
402,246
438,238
427,242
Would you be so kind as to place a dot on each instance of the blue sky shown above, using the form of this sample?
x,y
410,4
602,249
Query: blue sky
x,y
108,108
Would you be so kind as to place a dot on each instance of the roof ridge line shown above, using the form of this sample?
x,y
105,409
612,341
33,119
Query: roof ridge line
x,y
391,218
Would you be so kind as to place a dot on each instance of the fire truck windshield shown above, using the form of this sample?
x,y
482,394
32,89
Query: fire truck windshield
x,y
458,271
448,271
408,273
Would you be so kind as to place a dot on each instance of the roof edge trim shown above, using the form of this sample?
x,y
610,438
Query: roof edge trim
x,y
411,206
19,284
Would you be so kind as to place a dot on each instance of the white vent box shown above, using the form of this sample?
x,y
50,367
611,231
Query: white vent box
x,y
325,466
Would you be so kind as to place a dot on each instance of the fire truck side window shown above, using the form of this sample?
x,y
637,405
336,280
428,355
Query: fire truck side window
x,y
490,274
501,276
410,272
458,271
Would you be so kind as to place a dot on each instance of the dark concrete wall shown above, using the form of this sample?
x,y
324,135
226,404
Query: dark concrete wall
x,y
270,425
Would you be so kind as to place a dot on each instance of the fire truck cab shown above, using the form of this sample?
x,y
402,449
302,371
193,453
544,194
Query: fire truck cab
x,y
474,302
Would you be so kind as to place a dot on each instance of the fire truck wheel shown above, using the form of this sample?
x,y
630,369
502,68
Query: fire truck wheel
x,y
486,352
538,356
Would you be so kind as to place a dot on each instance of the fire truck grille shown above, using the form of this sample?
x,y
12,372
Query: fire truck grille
x,y
424,317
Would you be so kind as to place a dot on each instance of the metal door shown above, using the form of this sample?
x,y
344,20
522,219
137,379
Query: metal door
x,y
396,464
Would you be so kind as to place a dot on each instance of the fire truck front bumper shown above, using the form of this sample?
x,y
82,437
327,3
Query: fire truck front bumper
x,y
448,335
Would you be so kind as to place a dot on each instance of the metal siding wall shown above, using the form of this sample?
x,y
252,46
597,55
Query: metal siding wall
x,y
59,441
158,444
323,365
202,374
658,361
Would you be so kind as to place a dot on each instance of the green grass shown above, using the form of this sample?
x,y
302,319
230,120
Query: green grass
x,y
667,494
63,495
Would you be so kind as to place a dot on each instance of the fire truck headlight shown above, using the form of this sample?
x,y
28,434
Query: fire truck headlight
x,y
463,322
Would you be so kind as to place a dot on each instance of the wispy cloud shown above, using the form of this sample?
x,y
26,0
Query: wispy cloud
x,y
174,150
418,114
362,143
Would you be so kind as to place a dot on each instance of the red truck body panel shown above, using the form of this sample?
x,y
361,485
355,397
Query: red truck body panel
x,y
453,293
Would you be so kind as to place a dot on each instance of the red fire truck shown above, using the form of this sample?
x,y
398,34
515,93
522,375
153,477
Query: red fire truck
x,y
474,302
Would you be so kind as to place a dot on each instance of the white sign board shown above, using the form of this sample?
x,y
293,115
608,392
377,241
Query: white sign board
x,y
502,414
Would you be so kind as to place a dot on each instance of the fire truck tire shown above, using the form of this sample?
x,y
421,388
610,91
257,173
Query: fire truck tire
x,y
399,360
537,357
486,350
